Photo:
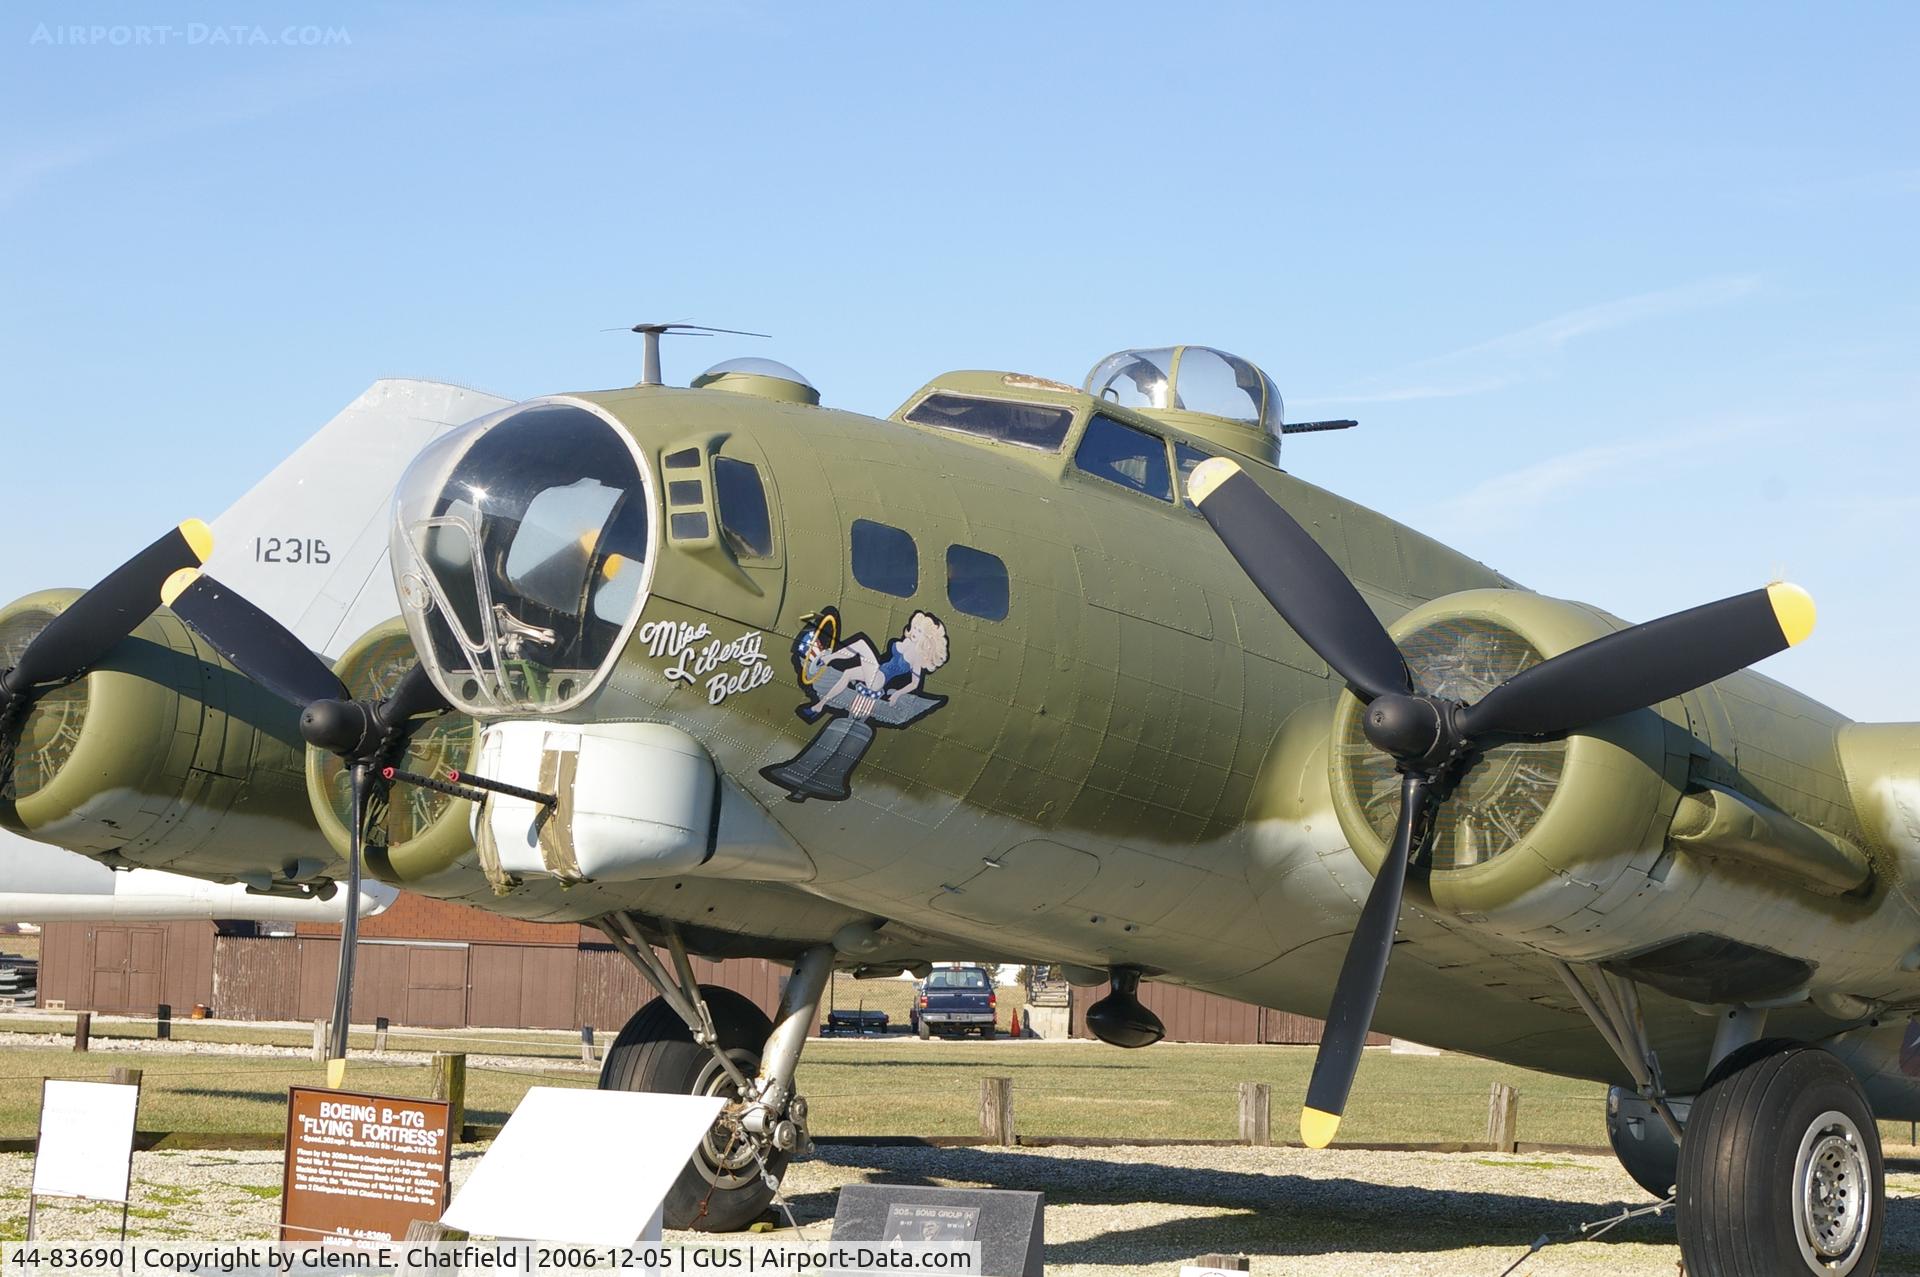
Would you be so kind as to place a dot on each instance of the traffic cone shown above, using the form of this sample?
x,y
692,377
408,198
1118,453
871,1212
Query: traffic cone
x,y
1013,1023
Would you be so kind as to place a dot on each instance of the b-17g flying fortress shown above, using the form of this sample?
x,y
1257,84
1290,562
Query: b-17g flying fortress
x,y
1078,673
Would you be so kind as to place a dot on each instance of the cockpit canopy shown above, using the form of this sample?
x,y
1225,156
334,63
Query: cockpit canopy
x,y
1187,383
521,551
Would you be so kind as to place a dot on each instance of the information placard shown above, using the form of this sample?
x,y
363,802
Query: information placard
x,y
86,1140
360,1168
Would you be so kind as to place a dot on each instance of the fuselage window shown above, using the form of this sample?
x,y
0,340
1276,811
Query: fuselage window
x,y
1118,453
744,520
885,558
1025,425
1186,456
977,583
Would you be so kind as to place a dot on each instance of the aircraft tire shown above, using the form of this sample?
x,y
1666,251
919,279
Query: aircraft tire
x,y
1780,1168
716,1192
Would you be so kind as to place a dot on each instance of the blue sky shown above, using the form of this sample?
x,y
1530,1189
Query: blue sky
x,y
1625,297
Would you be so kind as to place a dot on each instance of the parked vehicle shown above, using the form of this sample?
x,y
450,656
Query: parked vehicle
x,y
856,1021
955,1000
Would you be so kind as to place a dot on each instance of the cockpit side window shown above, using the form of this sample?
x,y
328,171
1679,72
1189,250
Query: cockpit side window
x,y
1120,454
1186,457
1025,425
742,500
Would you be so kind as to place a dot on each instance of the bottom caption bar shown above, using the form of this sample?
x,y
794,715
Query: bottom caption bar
x,y
491,1259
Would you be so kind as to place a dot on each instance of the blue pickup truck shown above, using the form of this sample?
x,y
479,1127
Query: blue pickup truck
x,y
955,1000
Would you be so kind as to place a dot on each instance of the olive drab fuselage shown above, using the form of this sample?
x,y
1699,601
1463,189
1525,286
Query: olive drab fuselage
x,y
1122,756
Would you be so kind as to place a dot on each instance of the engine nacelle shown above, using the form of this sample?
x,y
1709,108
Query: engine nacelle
x,y
1632,841
1537,833
163,756
426,832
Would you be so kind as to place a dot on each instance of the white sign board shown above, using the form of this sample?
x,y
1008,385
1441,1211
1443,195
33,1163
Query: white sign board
x,y
580,1166
86,1140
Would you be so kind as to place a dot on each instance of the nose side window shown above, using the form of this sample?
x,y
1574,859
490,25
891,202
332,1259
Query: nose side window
x,y
742,501
885,558
977,583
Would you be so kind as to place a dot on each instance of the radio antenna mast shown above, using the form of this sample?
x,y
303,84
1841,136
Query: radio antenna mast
x,y
650,333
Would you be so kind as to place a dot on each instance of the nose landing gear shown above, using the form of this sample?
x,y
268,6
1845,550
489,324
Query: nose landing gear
x,y
702,1039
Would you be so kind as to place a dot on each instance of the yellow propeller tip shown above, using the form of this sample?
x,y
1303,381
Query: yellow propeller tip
x,y
336,1073
175,585
199,538
611,568
1317,1128
1207,476
1793,608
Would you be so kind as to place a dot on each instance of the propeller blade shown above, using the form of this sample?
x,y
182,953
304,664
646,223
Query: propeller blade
x,y
1299,578
257,645
1633,668
349,932
88,629
1358,989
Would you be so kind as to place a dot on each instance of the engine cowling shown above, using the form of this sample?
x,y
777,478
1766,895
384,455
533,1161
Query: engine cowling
x,y
426,832
162,756
1536,833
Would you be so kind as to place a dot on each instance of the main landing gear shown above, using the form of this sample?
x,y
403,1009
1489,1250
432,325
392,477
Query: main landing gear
x,y
1775,1167
697,1039
1780,1168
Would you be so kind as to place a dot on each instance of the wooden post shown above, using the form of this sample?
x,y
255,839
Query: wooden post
x,y
82,1029
121,1075
1503,1118
380,1034
996,1110
1256,1110
320,1041
450,1084
1232,1263
428,1231
586,1044
163,1022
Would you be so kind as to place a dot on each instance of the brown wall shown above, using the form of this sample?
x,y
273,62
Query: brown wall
x,y
128,969
426,963
412,917
1192,1016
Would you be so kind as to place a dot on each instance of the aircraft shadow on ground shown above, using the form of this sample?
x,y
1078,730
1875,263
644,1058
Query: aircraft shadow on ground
x,y
1273,1214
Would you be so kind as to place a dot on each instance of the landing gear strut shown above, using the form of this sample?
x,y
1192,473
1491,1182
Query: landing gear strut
x,y
697,1039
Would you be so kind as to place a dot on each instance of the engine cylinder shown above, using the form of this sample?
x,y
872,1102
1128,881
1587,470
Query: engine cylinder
x,y
162,756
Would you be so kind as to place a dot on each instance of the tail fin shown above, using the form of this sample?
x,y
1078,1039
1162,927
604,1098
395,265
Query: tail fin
x,y
309,542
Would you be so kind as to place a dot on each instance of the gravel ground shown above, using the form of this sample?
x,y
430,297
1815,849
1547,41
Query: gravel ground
x,y
1113,1211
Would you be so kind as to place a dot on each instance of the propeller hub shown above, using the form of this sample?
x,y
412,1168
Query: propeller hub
x,y
1415,730
346,728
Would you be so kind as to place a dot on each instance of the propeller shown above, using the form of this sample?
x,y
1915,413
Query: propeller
x,y
1433,740
77,639
368,735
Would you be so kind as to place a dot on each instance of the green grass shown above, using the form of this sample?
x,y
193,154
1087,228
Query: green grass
x,y
909,1088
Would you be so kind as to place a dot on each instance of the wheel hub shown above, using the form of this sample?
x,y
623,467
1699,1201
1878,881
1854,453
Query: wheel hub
x,y
1832,1194
727,1151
